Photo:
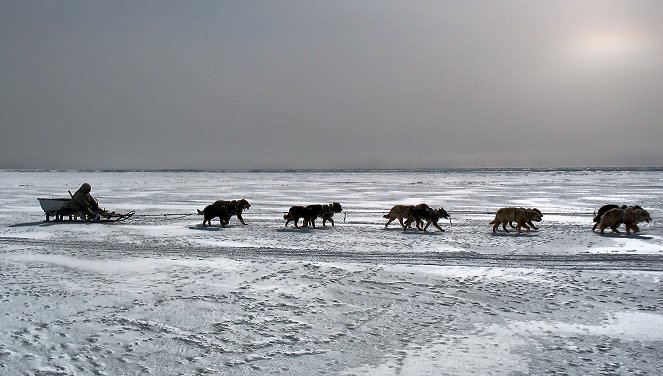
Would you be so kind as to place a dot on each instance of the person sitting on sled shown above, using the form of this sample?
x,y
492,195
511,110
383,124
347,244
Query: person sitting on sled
x,y
83,201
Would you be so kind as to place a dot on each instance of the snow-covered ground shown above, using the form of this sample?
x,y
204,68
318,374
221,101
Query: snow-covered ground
x,y
161,294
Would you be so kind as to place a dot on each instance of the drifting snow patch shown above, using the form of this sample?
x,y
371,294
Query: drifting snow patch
x,y
634,326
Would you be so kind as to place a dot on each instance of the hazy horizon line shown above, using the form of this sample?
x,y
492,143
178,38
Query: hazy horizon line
x,y
362,169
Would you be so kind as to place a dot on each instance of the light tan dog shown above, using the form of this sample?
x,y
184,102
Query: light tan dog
x,y
519,215
630,217
399,212
529,223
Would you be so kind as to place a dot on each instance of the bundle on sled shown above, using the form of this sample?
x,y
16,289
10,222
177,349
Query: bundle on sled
x,y
81,205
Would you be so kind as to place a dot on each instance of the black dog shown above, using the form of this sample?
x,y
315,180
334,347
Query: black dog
x,y
239,206
423,212
217,209
326,212
297,212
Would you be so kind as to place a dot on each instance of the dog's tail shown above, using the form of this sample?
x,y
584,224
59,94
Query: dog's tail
x,y
386,216
494,221
286,216
200,212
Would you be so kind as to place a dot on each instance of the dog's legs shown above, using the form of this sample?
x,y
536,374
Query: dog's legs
x,y
388,222
239,216
408,223
532,225
438,226
400,219
496,226
504,227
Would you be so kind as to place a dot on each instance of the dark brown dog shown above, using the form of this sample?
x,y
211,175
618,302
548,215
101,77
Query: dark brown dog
x,y
326,212
424,213
224,212
238,205
296,212
602,210
630,217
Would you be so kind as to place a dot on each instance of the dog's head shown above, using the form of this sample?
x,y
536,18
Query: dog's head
x,y
534,214
441,213
336,207
242,204
640,214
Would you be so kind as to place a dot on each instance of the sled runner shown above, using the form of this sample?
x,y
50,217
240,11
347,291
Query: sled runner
x,y
55,207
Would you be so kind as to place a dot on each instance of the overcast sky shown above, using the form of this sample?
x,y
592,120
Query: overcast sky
x,y
330,84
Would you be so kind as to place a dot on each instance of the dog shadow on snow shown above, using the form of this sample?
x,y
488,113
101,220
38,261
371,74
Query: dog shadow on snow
x,y
200,227
515,234
624,235
58,223
415,232
301,230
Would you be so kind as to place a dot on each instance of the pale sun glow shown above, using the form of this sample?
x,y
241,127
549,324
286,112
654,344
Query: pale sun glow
x,y
610,46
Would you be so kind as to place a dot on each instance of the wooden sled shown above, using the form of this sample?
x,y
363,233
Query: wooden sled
x,y
55,207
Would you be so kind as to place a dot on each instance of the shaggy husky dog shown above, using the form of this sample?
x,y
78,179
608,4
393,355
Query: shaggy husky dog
x,y
326,212
529,222
297,212
224,212
239,206
399,212
423,212
630,217
519,215
602,210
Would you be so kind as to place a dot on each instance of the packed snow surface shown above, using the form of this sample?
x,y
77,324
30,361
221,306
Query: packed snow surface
x,y
161,294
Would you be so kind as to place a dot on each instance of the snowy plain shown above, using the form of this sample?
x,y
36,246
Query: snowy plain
x,y
161,294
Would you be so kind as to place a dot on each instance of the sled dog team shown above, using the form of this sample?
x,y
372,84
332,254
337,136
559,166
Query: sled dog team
x,y
608,216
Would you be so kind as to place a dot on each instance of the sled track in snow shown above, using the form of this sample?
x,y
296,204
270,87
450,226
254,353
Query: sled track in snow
x,y
581,261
